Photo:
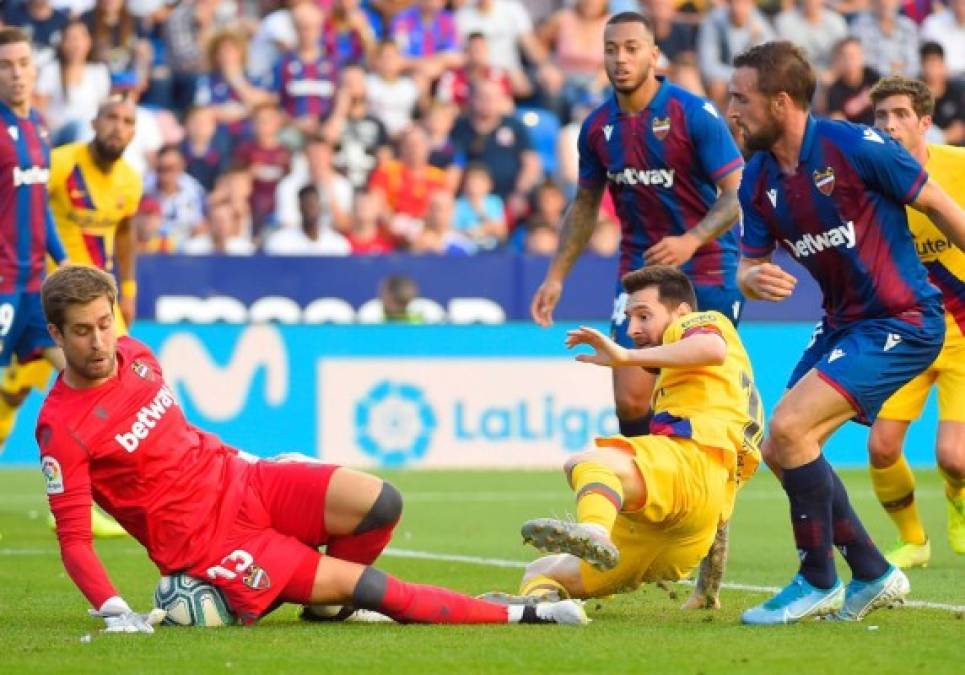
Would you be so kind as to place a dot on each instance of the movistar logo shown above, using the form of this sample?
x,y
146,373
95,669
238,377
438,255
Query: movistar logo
x,y
648,177
812,244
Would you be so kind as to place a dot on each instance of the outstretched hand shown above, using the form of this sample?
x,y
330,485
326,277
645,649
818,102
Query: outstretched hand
x,y
606,351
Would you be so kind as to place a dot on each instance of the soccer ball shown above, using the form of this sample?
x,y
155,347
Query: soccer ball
x,y
191,602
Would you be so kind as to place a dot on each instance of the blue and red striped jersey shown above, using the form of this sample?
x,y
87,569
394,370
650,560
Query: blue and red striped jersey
x,y
417,38
662,165
305,88
842,216
27,231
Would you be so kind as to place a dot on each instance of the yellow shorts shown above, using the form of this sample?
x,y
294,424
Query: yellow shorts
x,y
36,374
689,493
947,373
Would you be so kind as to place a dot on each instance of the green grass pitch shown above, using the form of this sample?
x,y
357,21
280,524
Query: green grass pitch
x,y
477,515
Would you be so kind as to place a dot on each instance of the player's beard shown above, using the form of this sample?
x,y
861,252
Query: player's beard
x,y
95,370
764,138
106,152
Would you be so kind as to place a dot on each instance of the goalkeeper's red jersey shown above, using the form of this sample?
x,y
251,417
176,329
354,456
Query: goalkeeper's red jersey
x,y
127,445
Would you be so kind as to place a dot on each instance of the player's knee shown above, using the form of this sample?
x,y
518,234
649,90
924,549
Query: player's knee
x,y
386,510
883,450
14,399
951,458
784,429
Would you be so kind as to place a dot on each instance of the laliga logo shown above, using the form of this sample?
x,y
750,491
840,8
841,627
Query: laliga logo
x,y
394,423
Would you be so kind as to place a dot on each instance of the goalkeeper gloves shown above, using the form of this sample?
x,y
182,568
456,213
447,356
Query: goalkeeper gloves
x,y
122,619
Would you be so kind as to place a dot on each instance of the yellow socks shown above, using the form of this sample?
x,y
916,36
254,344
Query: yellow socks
x,y
599,494
895,487
954,487
542,585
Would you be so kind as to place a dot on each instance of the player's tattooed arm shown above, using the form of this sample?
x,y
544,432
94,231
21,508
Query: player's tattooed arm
x,y
577,227
706,593
721,217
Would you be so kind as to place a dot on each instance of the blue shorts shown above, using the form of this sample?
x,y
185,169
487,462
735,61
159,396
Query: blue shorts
x,y
23,328
868,361
728,301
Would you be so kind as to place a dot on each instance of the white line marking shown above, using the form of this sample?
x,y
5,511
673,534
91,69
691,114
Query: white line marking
x,y
517,564
500,562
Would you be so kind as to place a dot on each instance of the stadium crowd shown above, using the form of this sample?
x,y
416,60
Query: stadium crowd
x,y
361,127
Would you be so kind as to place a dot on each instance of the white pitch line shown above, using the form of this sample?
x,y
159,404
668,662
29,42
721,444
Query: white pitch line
x,y
511,564
517,564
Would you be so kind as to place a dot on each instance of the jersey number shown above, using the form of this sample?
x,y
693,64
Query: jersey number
x,y
231,565
753,430
6,318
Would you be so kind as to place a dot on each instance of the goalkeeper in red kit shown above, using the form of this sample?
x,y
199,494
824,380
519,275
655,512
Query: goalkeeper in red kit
x,y
111,430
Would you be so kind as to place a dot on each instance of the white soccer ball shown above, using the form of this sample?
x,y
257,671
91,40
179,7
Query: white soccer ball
x,y
191,602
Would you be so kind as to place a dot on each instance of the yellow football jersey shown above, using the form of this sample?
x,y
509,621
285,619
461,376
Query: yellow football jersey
x,y
716,406
944,260
88,204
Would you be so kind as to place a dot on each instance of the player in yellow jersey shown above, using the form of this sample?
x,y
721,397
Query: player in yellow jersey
x,y
903,107
648,507
93,194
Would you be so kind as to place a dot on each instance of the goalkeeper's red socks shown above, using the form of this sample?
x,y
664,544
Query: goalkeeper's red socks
x,y
419,603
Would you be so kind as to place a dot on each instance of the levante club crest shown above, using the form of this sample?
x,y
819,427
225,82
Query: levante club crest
x,y
824,181
661,127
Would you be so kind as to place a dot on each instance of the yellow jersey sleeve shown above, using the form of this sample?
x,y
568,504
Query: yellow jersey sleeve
x,y
717,405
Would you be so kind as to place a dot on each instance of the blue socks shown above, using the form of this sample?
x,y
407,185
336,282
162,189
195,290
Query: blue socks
x,y
810,489
864,558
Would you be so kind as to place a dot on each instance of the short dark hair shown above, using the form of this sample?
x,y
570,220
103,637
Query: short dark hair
x,y
931,49
74,285
476,35
781,67
11,35
673,286
631,17
922,100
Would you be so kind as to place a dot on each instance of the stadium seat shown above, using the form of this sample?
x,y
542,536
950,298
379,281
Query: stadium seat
x,y
544,128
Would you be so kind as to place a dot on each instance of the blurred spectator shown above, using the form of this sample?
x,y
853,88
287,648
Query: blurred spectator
x,y
313,237
500,142
889,40
437,236
222,236
397,294
947,28
567,153
225,87
848,96
407,184
949,115
72,86
348,34
181,198
605,240
549,203
815,28
438,121
267,161
305,77
273,36
724,33
358,135
392,96
427,38
41,22
455,84
541,239
186,32
119,42
148,226
574,37
205,147
234,187
75,8
480,214
316,168
686,75
674,38
506,26
366,235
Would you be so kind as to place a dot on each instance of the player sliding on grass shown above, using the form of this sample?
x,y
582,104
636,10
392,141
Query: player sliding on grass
x,y
111,429
648,507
